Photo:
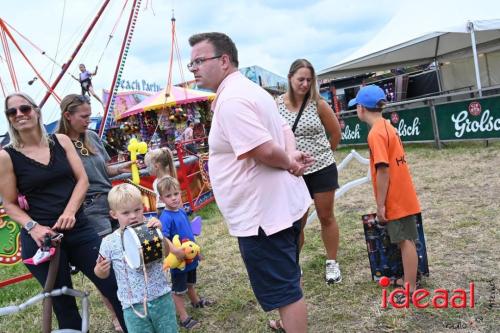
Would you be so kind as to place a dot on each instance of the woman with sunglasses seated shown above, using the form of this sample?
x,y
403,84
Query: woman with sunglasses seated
x,y
46,171
74,122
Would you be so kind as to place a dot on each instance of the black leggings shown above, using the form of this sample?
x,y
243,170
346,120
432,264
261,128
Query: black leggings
x,y
81,248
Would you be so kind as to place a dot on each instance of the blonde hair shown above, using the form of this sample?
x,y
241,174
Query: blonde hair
x,y
69,104
313,90
15,138
164,157
166,184
123,195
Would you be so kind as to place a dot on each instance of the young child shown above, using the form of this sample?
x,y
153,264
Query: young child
x,y
395,193
126,206
160,163
188,135
85,79
174,221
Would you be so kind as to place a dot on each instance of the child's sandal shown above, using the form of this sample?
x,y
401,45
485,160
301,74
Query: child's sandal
x,y
202,303
190,323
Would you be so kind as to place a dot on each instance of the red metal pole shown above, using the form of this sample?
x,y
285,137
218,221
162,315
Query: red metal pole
x,y
38,74
15,280
183,167
118,63
8,57
72,57
3,88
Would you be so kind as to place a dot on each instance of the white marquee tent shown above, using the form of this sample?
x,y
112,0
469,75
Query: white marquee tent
x,y
467,50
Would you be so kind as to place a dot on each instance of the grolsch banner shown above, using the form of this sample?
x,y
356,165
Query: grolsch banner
x,y
474,119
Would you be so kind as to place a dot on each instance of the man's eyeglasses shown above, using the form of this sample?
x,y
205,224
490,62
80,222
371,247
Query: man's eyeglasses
x,y
198,61
25,109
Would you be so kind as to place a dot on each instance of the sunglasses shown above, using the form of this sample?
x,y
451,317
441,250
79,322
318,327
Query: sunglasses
x,y
25,109
76,101
82,98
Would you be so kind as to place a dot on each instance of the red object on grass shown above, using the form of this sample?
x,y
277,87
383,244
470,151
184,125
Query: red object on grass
x,y
15,280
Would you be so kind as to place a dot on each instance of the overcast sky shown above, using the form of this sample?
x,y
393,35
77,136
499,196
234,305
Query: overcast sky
x,y
270,34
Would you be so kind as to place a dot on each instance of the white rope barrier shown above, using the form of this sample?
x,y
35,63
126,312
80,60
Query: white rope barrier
x,y
8,310
346,187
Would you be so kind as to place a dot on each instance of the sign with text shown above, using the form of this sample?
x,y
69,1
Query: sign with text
x,y
354,131
413,124
476,119
142,85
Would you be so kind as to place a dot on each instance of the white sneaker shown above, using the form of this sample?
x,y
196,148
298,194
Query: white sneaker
x,y
332,272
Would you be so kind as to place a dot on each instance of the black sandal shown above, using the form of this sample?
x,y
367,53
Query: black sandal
x,y
189,323
202,303
399,283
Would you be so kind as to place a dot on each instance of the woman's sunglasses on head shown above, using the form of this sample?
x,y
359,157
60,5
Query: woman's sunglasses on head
x,y
77,100
82,99
23,108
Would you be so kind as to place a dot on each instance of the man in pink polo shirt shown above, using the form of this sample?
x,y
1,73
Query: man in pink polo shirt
x,y
255,175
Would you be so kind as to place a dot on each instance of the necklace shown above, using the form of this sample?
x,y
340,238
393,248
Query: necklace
x,y
79,145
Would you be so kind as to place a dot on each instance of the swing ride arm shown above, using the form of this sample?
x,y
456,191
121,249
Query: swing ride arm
x,y
134,11
75,52
4,28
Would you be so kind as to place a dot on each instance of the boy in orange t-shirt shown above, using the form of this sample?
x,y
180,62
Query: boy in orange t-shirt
x,y
395,194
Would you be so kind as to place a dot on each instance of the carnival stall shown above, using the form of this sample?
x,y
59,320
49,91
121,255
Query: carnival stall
x,y
172,108
159,120
117,135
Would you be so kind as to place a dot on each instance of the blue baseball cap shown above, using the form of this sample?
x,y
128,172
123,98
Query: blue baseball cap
x,y
368,97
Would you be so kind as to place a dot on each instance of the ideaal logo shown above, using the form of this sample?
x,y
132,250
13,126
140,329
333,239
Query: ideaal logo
x,y
423,298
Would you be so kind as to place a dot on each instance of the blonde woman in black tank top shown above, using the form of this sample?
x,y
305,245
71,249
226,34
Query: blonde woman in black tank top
x,y
47,171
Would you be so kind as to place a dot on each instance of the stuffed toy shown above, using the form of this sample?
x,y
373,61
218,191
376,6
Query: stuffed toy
x,y
190,248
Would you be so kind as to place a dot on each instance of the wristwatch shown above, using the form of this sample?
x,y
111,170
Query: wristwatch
x,y
30,225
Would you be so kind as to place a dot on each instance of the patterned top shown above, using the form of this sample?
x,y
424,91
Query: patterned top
x,y
131,282
310,134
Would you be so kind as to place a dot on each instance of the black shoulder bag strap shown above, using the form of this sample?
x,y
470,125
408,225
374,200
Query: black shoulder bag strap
x,y
302,107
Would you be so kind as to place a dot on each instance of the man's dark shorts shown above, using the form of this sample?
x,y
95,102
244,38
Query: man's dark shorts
x,y
272,263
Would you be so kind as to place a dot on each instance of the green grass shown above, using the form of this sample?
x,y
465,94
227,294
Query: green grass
x,y
458,188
